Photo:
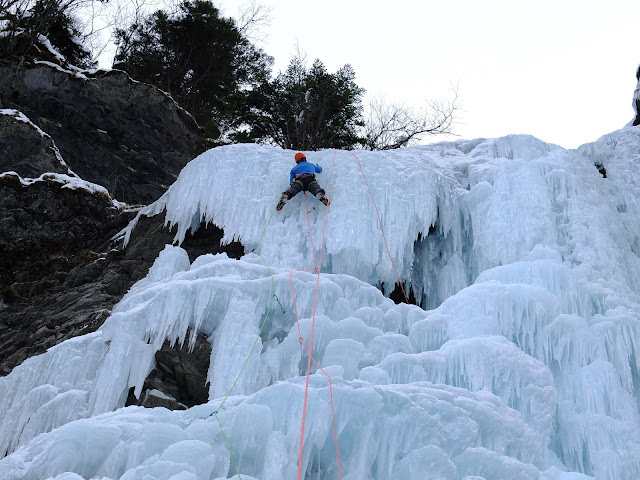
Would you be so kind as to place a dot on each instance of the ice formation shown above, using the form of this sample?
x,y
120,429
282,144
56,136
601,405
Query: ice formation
x,y
523,362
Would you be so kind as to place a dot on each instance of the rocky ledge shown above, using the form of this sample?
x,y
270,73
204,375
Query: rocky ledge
x,y
127,136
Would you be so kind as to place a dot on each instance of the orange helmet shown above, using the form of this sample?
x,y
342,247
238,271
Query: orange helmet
x,y
300,157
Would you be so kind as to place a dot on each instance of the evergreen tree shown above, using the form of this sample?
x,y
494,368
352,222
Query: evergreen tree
x,y
308,109
200,58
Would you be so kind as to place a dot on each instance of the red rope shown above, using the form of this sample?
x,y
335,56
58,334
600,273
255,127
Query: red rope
x,y
381,228
311,357
310,347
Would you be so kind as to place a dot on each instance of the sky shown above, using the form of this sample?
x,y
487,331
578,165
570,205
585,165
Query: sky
x,y
561,70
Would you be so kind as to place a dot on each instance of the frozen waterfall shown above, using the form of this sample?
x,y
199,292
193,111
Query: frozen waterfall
x,y
523,362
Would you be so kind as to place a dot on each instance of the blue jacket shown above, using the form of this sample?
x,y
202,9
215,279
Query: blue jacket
x,y
303,167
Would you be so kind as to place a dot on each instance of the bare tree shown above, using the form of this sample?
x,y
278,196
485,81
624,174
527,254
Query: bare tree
x,y
118,17
99,20
11,5
391,126
252,19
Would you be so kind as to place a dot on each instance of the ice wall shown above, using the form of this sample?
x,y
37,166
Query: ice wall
x,y
525,365
486,203
437,413
412,189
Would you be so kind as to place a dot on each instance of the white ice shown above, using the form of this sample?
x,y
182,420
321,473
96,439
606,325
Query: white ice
x,y
523,363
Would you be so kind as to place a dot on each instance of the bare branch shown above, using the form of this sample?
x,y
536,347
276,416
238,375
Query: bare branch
x,y
253,19
120,15
389,126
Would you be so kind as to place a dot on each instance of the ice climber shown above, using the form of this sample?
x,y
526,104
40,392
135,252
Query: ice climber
x,y
302,178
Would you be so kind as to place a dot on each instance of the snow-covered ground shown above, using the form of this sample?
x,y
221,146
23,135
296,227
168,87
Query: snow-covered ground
x,y
523,364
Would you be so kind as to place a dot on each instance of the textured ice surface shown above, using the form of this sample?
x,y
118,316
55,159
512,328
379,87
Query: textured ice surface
x,y
523,363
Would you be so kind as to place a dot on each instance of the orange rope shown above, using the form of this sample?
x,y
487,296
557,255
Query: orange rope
x,y
309,348
381,228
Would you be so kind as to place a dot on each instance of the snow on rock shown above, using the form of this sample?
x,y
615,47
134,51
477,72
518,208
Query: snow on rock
x,y
71,182
21,117
524,364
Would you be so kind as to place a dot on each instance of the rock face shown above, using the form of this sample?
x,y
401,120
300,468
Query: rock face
x,y
61,272
53,244
127,136
25,150
636,100
179,380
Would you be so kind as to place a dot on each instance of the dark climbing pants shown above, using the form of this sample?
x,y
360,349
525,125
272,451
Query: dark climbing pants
x,y
305,182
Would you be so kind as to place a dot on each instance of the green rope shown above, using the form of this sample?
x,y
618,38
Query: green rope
x,y
263,232
228,447
255,342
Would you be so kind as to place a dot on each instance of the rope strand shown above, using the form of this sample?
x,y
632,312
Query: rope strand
x,y
381,228
309,349
317,267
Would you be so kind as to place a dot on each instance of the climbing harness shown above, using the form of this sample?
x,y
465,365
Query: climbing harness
x,y
302,184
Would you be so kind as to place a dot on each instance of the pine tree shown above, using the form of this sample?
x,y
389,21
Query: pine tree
x,y
200,58
308,109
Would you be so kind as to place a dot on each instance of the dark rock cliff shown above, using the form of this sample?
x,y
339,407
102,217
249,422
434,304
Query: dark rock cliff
x,y
127,136
636,100
54,260
25,150
61,272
